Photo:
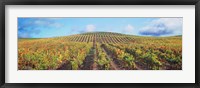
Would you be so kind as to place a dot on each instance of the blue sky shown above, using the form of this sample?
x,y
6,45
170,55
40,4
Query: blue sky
x,y
53,27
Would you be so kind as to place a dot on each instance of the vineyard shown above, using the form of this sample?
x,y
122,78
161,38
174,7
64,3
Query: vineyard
x,y
100,51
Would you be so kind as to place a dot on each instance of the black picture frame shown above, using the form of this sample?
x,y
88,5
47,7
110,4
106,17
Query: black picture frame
x,y
99,2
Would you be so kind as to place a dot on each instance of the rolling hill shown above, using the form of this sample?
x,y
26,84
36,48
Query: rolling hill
x,y
111,37
100,37
100,51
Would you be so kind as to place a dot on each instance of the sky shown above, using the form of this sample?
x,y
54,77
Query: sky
x,y
54,27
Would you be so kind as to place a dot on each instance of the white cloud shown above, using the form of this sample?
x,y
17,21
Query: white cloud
x,y
47,23
90,28
129,28
163,26
57,25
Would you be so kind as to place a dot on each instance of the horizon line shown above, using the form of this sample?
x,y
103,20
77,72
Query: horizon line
x,y
99,32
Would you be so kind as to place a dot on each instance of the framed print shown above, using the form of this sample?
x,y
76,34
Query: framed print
x,y
100,43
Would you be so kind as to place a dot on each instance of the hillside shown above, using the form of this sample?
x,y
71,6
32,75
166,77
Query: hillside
x,y
100,51
108,37
100,37
111,37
